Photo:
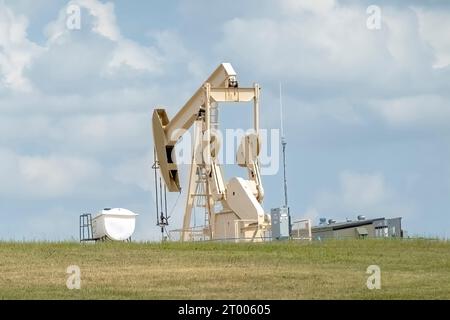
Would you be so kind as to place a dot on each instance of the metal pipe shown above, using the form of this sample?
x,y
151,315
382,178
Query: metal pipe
x,y
256,108
161,197
283,143
165,201
156,187
207,132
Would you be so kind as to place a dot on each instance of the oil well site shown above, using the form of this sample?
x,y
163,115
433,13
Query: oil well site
x,y
242,250
199,150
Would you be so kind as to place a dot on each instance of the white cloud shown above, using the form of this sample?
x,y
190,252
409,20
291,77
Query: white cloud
x,y
131,54
16,51
317,6
105,23
334,64
104,100
101,20
55,175
422,110
83,127
359,193
341,51
136,171
70,56
117,135
89,111
435,29
312,214
341,47
356,192
403,41
362,190
45,176
171,45
109,138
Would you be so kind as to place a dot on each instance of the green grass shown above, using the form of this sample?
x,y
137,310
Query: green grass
x,y
410,269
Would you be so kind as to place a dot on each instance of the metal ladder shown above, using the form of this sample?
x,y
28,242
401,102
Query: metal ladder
x,y
86,227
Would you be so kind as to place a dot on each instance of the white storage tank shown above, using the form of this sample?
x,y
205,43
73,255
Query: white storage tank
x,y
115,224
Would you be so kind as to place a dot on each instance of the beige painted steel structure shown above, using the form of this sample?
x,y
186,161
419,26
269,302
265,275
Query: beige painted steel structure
x,y
301,230
239,199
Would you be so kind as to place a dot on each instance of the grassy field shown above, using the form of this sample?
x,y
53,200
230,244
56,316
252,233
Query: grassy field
x,y
410,269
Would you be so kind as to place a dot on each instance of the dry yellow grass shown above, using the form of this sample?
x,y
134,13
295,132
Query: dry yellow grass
x,y
418,269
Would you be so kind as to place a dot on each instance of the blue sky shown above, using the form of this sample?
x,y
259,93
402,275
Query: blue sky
x,y
367,111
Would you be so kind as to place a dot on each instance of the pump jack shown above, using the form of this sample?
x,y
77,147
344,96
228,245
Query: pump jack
x,y
233,209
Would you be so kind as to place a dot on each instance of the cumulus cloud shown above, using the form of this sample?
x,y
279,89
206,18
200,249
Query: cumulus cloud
x,y
342,50
362,190
359,193
45,176
78,119
105,23
76,107
136,171
118,135
16,51
434,26
72,59
414,111
296,6
94,54
129,53
332,63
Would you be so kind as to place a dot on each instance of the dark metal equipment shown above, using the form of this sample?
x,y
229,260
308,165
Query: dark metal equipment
x,y
162,220
86,227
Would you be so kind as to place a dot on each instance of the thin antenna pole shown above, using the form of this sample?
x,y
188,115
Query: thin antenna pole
x,y
283,144
281,114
